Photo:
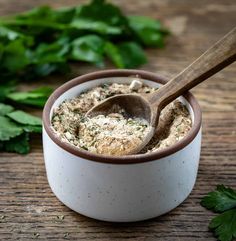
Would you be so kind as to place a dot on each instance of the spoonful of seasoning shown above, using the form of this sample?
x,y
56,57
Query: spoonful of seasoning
x,y
148,107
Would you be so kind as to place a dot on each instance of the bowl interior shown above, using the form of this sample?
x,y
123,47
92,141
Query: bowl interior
x,y
76,90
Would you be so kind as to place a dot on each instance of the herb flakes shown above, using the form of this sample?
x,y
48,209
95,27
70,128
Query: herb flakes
x,y
36,235
112,134
103,134
66,235
60,217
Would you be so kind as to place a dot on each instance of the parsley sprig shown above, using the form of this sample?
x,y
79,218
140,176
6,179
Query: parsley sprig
x,y
15,128
36,97
44,40
223,201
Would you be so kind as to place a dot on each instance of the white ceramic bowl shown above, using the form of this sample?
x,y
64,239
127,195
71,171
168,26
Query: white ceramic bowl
x,y
120,189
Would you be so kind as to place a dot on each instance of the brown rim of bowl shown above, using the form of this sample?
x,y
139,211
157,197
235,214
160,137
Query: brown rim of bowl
x,y
129,159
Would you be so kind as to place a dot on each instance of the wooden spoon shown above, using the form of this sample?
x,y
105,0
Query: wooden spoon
x,y
149,106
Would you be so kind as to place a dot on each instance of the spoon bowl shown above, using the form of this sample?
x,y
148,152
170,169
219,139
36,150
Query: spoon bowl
x,y
124,101
142,110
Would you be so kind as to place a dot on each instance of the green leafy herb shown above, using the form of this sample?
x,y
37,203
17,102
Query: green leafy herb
x,y
43,40
8,129
126,54
114,55
132,54
88,48
35,129
5,109
100,10
8,33
95,26
19,144
222,200
5,89
37,97
225,225
149,31
25,118
15,128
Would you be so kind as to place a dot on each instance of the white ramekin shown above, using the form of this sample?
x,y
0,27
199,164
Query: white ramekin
x,y
120,189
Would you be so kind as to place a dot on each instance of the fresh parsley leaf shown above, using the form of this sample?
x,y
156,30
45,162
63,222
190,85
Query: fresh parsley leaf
x,y
220,200
49,68
114,55
5,89
100,10
38,102
41,91
16,56
8,33
34,129
38,13
125,55
8,129
149,31
24,118
36,97
65,15
15,128
43,40
88,48
51,53
14,136
19,144
5,109
95,26
224,225
132,54
36,21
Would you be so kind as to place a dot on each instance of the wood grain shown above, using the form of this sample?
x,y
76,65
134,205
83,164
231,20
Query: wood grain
x,y
29,210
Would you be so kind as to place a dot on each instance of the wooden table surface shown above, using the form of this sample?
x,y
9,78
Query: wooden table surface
x,y
28,208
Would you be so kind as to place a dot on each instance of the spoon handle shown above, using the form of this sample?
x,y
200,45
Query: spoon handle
x,y
213,60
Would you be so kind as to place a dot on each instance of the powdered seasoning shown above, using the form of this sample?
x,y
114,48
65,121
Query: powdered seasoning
x,y
114,134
